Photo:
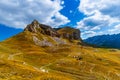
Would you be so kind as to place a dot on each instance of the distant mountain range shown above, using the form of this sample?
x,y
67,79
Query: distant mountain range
x,y
110,41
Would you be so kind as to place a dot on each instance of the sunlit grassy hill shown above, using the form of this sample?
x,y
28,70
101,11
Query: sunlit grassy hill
x,y
37,56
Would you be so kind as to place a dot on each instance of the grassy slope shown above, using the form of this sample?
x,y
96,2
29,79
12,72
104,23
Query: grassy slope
x,y
66,30
20,59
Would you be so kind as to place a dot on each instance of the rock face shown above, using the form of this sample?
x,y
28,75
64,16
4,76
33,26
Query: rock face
x,y
36,27
66,32
41,43
69,33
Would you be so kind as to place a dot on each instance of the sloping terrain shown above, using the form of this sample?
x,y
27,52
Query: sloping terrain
x,y
40,56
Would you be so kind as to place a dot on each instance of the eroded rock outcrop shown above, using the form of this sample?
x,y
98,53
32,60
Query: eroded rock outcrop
x,y
36,27
57,36
69,33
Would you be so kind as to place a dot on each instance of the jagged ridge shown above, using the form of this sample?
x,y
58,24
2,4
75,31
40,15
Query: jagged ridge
x,y
67,32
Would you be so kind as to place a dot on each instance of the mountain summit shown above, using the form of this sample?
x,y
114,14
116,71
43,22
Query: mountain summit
x,y
59,36
36,27
66,32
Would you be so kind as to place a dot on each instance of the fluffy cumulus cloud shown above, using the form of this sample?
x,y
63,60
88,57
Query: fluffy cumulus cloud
x,y
102,17
18,13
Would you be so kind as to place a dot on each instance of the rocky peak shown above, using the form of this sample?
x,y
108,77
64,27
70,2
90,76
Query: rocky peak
x,y
36,27
66,32
35,22
33,26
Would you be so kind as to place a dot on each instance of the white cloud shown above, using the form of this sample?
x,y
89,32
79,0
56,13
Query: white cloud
x,y
96,22
18,13
91,33
58,20
96,28
107,7
88,34
115,30
101,15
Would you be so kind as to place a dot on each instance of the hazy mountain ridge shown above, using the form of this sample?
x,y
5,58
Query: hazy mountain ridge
x,y
111,41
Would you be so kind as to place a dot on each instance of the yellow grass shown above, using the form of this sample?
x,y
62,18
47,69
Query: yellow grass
x,y
21,59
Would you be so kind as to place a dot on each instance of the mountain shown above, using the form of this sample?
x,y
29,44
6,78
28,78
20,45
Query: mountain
x,y
41,52
110,41
53,36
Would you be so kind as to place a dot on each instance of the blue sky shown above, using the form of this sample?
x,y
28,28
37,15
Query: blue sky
x,y
92,17
6,32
